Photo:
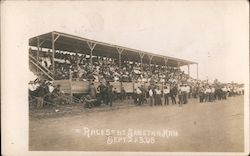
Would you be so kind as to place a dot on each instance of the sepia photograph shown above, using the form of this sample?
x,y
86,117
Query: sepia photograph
x,y
166,77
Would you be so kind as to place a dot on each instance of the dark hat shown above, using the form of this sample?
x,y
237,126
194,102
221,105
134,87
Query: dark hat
x,y
48,82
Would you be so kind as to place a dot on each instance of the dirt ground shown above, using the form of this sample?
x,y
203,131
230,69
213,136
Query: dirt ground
x,y
201,127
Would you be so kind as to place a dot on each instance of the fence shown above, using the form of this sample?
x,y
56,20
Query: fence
x,y
76,87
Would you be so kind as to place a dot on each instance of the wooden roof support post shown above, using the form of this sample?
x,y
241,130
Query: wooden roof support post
x,y
37,52
120,50
141,57
55,37
77,50
91,47
150,61
197,70
53,54
166,61
178,64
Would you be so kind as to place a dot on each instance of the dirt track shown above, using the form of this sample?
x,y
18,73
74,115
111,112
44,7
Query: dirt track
x,y
201,127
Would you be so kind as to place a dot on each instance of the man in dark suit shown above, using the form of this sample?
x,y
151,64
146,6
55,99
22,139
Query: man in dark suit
x,y
102,89
110,95
123,94
173,93
42,90
201,94
92,91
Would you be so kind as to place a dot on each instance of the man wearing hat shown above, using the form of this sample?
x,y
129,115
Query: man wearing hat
x,y
110,95
92,91
180,96
173,93
166,94
102,89
201,93
185,93
41,93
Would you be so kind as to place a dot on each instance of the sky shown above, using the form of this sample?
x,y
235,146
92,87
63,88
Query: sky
x,y
213,33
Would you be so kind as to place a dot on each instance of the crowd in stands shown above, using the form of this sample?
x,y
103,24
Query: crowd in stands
x,y
178,86
107,69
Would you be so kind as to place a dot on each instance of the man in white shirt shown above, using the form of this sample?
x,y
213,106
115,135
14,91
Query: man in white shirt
x,y
33,86
166,93
51,87
158,95
138,90
207,92
224,93
139,95
180,94
184,91
212,93
151,96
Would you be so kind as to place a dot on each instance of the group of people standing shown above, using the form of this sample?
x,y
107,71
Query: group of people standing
x,y
43,93
155,95
104,94
210,93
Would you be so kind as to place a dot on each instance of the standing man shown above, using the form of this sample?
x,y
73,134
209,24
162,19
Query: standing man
x,y
92,91
201,94
208,94
207,91
187,93
110,95
184,93
55,94
115,94
135,96
180,95
212,93
224,93
143,98
41,93
189,90
158,96
173,93
151,96
166,93
139,95
102,89
219,93
123,94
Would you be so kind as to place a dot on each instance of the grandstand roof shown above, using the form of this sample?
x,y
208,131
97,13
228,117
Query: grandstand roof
x,y
71,43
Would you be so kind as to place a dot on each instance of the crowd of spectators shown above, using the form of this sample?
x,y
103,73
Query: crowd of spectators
x,y
180,93
178,86
107,69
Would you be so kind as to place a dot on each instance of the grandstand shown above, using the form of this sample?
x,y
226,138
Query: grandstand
x,y
54,44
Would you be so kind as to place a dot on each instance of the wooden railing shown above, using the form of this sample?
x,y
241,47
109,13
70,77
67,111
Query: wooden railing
x,y
41,68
